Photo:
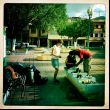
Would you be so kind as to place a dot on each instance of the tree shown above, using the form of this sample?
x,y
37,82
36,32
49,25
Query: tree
x,y
43,16
75,29
16,17
49,16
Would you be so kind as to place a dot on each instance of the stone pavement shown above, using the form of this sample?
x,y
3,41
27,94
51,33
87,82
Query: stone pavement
x,y
50,93
31,96
97,64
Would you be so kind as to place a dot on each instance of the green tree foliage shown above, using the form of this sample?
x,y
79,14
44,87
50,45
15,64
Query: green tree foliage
x,y
16,17
85,27
43,16
50,15
77,28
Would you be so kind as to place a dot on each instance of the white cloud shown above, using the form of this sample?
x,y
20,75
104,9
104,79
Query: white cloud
x,y
100,7
78,14
98,10
80,10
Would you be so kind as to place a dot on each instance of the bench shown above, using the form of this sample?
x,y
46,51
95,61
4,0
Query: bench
x,y
86,89
12,80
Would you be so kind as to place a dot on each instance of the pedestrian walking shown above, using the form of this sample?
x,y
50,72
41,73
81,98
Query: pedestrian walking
x,y
55,58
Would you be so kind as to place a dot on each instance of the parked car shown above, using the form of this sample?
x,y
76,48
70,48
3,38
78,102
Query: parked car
x,y
22,45
18,45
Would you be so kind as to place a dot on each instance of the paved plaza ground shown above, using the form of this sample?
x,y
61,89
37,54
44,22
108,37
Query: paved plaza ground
x,y
51,94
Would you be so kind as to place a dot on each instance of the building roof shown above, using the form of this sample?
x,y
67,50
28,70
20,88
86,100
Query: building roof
x,y
99,18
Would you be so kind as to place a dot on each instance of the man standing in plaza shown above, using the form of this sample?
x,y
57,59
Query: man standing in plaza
x,y
85,57
55,58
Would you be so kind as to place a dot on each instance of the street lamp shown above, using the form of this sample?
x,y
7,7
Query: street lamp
x,y
89,12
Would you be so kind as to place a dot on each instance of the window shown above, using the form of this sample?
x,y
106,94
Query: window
x,y
33,29
43,31
91,35
96,35
96,26
102,26
101,35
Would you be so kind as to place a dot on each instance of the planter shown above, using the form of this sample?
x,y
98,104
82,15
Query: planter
x,y
47,53
44,58
39,49
65,50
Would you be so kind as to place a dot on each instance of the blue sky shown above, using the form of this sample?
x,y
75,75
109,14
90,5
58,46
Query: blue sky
x,y
80,10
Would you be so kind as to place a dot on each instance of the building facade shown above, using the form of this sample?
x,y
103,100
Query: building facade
x,y
48,39
44,38
35,36
97,39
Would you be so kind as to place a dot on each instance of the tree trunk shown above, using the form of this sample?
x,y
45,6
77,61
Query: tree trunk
x,y
48,43
75,42
68,41
72,42
13,44
39,35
